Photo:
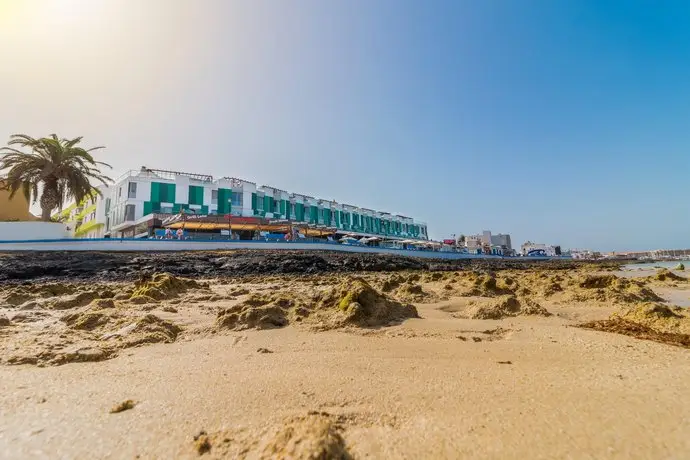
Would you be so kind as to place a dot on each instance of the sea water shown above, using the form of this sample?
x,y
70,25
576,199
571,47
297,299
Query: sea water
x,y
670,264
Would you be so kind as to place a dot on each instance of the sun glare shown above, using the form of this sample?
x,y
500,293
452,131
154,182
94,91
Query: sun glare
x,y
17,12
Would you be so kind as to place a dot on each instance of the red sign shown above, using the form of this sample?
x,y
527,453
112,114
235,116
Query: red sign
x,y
448,241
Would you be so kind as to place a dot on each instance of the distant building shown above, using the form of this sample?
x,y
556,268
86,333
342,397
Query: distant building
x,y
502,240
87,218
550,251
488,243
140,201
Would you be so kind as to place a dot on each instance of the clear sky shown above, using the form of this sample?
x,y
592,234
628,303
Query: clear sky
x,y
563,122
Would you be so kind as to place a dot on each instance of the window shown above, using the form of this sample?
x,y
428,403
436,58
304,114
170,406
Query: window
x,y
166,209
132,191
260,203
129,212
119,192
214,196
237,199
196,195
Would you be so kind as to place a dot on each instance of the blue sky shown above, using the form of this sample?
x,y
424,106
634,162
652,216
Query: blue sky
x,y
556,121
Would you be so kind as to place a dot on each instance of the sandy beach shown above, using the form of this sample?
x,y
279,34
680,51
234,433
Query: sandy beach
x,y
346,358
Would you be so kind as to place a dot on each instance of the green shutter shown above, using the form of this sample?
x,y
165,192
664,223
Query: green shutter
x,y
224,198
148,208
155,191
254,200
196,195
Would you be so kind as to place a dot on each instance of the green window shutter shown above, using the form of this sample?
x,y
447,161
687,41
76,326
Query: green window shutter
x,y
203,210
283,208
155,191
267,204
224,195
148,208
196,195
254,202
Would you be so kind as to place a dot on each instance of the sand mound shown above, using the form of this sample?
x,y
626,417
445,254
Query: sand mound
x,y
610,288
487,285
392,283
660,317
55,289
413,292
665,275
503,307
257,312
16,297
353,302
152,329
314,436
649,321
162,286
86,321
364,306
77,300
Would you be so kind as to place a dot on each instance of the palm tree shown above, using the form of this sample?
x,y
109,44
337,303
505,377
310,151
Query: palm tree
x,y
63,170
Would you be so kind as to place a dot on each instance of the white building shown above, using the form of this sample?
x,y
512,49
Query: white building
x,y
86,219
550,251
487,242
139,200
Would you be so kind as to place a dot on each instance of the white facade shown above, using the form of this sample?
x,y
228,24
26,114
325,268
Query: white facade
x,y
529,246
133,202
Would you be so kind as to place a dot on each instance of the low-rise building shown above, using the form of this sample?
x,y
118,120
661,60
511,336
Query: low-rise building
x,y
528,248
87,218
140,201
487,243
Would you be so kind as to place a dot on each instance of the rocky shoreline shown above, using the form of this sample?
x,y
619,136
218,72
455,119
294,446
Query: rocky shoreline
x,y
118,266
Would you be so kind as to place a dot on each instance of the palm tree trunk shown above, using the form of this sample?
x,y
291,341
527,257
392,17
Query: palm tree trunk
x,y
49,200
45,214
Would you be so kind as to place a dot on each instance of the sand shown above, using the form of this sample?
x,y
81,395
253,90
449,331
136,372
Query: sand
x,y
346,365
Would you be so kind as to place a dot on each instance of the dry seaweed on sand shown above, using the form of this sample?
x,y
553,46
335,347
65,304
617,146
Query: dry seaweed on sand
x,y
503,307
314,436
649,321
611,288
622,326
352,302
123,406
161,286
665,275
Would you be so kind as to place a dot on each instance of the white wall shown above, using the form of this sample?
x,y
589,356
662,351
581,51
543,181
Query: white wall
x,y
181,189
26,231
247,190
